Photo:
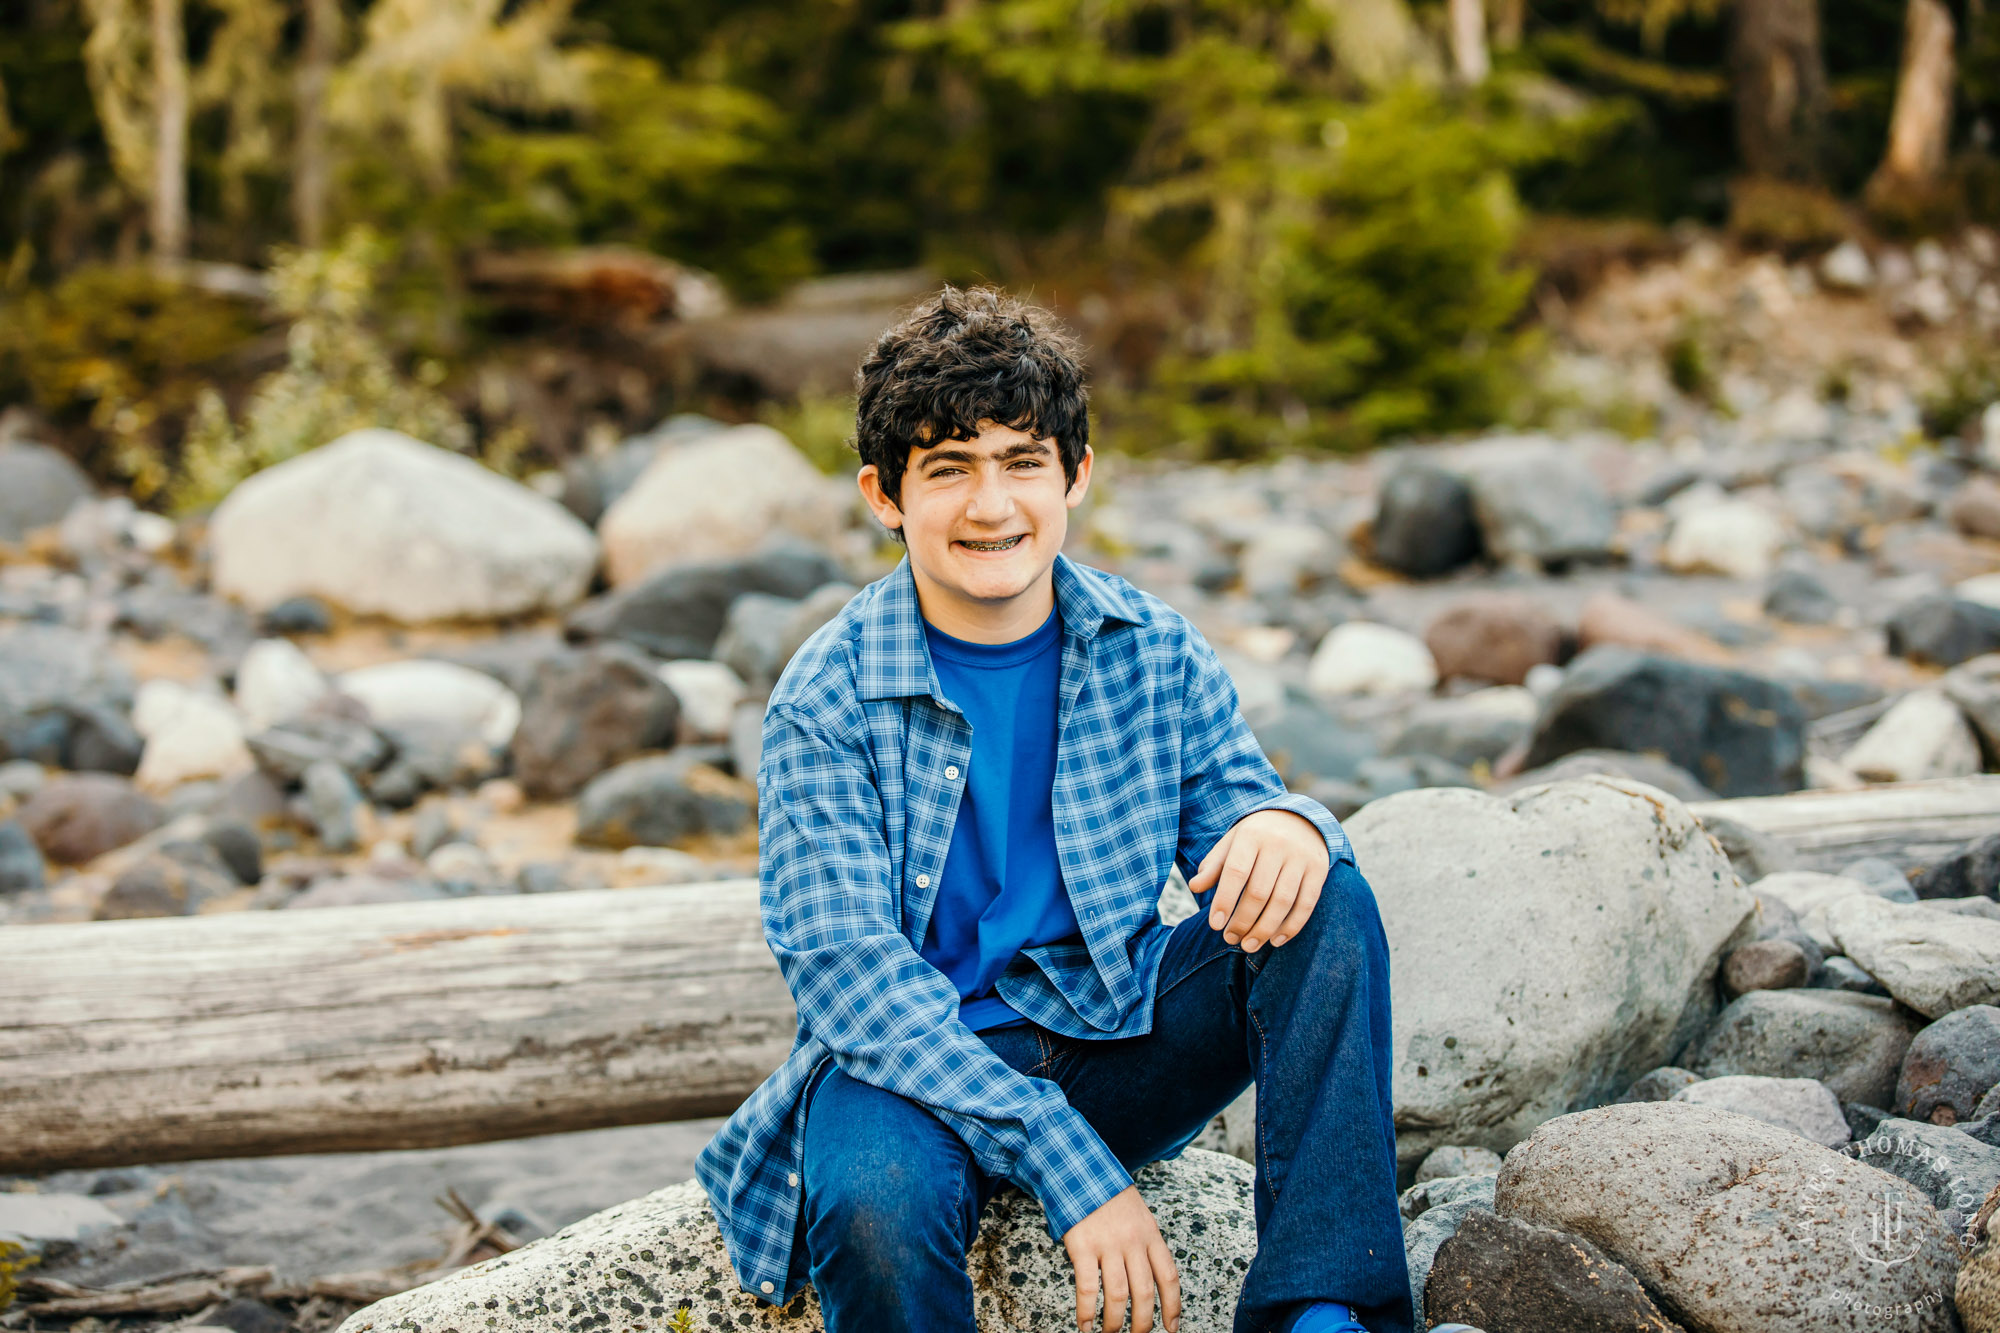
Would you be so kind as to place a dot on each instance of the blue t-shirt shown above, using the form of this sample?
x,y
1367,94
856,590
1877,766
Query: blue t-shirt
x,y
1002,888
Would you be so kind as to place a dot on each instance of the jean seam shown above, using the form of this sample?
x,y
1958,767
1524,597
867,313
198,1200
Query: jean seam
x,y
1263,1119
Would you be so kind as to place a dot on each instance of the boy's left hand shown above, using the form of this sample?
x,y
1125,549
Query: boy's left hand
x,y
1267,873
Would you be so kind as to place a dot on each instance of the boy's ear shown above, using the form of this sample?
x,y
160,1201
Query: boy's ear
x,y
886,511
1082,482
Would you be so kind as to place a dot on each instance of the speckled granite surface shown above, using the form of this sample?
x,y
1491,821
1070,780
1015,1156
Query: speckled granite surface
x,y
629,1268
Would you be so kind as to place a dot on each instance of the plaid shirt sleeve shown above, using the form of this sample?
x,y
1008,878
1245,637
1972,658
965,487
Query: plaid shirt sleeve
x,y
1224,774
889,1017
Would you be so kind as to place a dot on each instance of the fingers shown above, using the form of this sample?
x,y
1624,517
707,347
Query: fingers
x,y
1086,1295
1117,1291
1140,1268
1169,1276
1260,884
1211,865
1237,868
1309,893
1284,898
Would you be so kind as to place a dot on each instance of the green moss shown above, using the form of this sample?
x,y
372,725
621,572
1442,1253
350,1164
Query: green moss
x,y
12,1260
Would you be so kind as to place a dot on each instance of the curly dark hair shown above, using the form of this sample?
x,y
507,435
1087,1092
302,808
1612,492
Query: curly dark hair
x,y
962,357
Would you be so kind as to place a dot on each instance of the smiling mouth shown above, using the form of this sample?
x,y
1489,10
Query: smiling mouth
x,y
1005,544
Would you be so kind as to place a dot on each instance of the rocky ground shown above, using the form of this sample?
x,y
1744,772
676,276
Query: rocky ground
x,y
378,673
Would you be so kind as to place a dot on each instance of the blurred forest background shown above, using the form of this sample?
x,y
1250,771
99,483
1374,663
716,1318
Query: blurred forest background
x,y
232,229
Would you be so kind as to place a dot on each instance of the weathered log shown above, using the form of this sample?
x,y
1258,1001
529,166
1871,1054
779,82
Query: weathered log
x,y
1911,823
400,1026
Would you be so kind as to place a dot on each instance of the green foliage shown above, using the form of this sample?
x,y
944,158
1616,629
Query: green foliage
x,y
338,377
126,352
1970,381
822,426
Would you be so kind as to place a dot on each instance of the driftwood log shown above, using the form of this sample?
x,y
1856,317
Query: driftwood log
x,y
400,1026
1910,823
426,1024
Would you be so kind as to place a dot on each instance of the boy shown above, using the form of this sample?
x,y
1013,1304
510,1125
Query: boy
x,y
974,782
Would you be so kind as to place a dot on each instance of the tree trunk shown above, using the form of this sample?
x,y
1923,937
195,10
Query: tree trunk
x,y
1509,18
170,120
401,1026
311,170
1911,823
1920,125
1468,41
1778,84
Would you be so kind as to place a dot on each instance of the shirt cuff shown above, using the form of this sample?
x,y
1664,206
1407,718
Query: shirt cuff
x,y
1069,1170
1338,849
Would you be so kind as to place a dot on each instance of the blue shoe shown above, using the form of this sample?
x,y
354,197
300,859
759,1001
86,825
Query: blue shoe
x,y
1327,1317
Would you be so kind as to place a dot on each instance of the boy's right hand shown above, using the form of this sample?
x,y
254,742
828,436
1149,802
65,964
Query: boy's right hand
x,y
1121,1242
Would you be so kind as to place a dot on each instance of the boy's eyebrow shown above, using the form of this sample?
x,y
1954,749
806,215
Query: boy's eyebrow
x,y
1019,449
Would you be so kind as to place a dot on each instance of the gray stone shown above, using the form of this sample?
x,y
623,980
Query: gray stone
x,y
53,1217
1500,1027
78,817
752,638
176,880
1932,961
746,738
236,846
386,525
1741,735
1838,973
1954,1170
1434,1210
1471,729
1883,877
1852,1043
680,612
1809,894
286,751
1943,631
1304,741
1503,1274
1659,1085
1798,596
1975,687
1705,1209
1802,1105
1424,524
37,487
20,859
1950,1065
586,712
659,801
365,891
642,1260
1456,1159
64,699
1972,869
1534,501
304,614
1923,736
1754,853
334,805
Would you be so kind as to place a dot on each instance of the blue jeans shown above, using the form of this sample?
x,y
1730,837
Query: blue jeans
x,y
893,1196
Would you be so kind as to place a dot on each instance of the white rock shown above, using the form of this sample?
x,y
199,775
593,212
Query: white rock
x,y
460,862
1934,962
421,694
188,735
275,682
709,693
386,525
1285,555
1923,736
1544,678
1803,1105
1981,588
1809,893
720,494
47,1217
1798,415
1738,538
1546,948
1360,657
667,1246
1846,268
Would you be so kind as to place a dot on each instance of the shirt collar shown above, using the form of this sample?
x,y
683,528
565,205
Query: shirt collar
x,y
896,658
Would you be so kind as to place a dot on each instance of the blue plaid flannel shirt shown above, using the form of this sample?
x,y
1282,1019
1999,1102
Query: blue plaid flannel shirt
x,y
863,765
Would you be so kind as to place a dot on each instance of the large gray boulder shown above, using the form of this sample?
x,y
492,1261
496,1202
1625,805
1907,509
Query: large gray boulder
x,y
1537,501
1954,1170
1734,1226
1434,1210
633,1265
1933,961
1546,949
1854,1044
386,525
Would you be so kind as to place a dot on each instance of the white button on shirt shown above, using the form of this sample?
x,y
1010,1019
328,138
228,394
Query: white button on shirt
x,y
768,1287
923,881
951,772
792,1179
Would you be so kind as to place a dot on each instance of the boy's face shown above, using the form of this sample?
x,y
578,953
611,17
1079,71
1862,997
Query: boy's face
x,y
983,518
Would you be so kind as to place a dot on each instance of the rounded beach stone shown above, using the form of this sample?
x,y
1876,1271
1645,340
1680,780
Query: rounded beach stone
x,y
634,1265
